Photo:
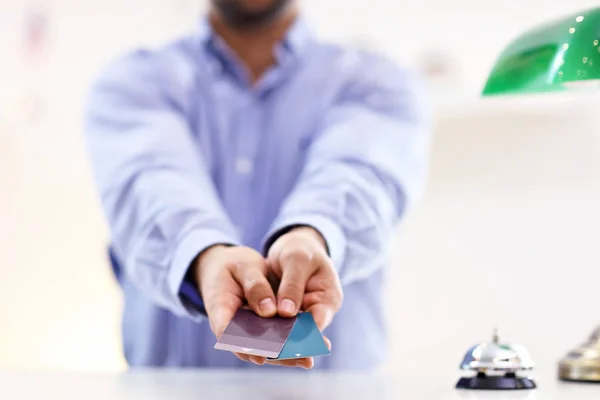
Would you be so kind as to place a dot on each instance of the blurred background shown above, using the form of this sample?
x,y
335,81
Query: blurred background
x,y
506,236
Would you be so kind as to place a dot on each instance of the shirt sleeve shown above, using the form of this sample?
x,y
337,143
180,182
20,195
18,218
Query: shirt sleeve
x,y
367,164
156,191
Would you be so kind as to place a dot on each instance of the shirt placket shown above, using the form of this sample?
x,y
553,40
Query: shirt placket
x,y
245,163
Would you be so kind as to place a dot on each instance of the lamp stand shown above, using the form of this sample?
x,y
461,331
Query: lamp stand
x,y
582,364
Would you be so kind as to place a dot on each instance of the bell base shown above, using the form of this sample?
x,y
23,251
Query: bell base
x,y
481,382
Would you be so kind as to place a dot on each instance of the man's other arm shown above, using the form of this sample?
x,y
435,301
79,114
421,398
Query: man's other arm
x,y
367,163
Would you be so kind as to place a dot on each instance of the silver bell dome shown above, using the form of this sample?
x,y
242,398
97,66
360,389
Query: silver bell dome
x,y
497,357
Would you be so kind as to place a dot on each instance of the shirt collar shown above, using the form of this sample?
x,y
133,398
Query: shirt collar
x,y
298,38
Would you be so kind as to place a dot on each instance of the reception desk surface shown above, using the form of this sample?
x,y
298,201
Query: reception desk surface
x,y
301,385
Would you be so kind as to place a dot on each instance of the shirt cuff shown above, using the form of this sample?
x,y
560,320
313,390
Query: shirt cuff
x,y
333,234
184,291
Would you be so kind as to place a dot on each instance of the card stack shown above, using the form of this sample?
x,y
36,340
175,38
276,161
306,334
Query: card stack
x,y
274,338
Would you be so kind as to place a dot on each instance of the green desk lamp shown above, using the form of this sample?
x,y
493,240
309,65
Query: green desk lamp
x,y
555,57
558,56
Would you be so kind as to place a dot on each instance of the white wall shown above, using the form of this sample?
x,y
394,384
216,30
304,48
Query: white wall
x,y
506,234
507,237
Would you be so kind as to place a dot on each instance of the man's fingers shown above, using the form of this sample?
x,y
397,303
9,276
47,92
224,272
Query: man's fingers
x,y
324,304
243,357
257,289
257,360
221,307
296,267
322,314
253,359
327,342
306,363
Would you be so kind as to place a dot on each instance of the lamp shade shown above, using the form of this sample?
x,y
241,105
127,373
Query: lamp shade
x,y
553,57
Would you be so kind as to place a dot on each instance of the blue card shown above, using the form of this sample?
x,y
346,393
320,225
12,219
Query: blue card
x,y
305,340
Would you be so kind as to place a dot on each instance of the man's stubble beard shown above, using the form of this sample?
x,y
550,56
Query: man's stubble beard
x,y
235,15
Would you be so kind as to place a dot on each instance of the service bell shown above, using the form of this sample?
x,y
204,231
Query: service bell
x,y
497,365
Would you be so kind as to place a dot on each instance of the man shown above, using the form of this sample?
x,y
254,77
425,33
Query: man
x,y
251,164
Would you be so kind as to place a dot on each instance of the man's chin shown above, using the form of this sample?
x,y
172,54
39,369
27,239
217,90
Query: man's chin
x,y
248,13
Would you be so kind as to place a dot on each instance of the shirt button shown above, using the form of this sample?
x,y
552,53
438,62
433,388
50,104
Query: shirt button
x,y
243,166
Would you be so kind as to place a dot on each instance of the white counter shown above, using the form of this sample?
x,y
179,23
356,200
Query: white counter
x,y
200,385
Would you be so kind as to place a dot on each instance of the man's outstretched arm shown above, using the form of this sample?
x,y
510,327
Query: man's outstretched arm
x,y
159,199
367,163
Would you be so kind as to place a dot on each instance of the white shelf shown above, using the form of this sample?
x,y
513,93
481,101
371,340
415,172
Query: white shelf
x,y
461,103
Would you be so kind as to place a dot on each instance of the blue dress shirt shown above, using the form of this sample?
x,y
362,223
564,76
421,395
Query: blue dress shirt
x,y
187,153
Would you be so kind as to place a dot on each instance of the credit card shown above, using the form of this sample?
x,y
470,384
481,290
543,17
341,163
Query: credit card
x,y
305,340
248,333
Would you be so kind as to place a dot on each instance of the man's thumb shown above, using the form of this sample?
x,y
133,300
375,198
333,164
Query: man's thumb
x,y
216,324
221,314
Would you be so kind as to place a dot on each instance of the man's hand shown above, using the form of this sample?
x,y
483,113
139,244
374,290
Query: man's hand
x,y
229,276
226,276
308,279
